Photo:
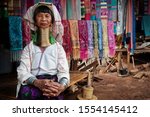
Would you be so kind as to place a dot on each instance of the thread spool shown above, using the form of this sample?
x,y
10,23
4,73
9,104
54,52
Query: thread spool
x,y
87,92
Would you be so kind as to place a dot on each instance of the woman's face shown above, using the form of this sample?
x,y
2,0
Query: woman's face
x,y
43,20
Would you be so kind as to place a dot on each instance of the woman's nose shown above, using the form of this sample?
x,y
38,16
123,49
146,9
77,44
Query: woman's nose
x,y
43,18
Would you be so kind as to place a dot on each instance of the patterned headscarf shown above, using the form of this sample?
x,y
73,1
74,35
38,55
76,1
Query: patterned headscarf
x,y
58,29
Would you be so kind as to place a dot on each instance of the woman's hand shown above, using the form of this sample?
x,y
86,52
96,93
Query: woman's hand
x,y
53,89
40,83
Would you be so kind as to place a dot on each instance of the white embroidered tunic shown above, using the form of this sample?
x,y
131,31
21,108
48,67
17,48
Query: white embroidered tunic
x,y
35,62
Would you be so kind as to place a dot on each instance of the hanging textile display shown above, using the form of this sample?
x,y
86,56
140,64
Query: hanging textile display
x,y
75,39
95,30
67,38
83,39
90,39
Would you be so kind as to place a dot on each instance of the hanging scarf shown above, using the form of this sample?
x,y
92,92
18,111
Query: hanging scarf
x,y
83,38
67,38
75,38
111,38
90,39
15,32
100,39
26,32
95,29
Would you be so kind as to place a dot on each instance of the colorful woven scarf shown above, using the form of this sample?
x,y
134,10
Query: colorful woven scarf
x,y
100,39
15,32
111,38
75,38
26,32
95,30
83,38
67,38
90,39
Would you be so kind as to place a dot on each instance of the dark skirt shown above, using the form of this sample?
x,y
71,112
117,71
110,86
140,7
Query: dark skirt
x,y
30,92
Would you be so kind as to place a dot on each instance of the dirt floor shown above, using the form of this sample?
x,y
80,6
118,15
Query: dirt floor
x,y
107,86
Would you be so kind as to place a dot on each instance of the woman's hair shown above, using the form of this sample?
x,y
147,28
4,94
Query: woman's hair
x,y
43,9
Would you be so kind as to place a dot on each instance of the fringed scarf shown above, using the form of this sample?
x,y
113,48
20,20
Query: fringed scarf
x,y
67,38
95,29
15,37
75,38
83,38
90,39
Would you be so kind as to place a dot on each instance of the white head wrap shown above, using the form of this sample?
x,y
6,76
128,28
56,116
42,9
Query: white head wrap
x,y
58,29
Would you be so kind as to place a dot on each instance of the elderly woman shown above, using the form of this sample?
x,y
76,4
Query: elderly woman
x,y
43,72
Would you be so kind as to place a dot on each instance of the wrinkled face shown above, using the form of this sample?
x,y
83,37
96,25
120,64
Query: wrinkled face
x,y
43,20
